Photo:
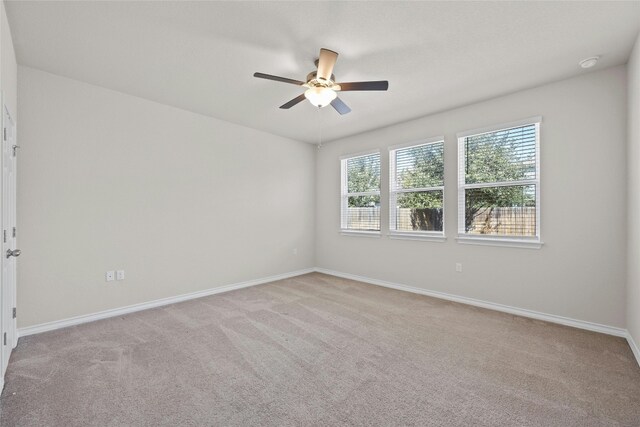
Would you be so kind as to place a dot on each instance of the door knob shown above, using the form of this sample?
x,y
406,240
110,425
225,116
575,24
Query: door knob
x,y
15,252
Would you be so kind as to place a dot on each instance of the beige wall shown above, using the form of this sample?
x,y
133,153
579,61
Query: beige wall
x,y
579,272
110,181
180,201
8,66
633,195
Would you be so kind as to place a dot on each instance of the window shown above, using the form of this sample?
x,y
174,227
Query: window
x,y
499,184
361,193
416,198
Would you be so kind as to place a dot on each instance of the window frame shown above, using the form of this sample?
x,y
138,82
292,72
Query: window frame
x,y
534,242
344,194
427,235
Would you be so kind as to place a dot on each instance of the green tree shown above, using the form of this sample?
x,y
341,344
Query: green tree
x,y
422,167
502,156
363,175
498,157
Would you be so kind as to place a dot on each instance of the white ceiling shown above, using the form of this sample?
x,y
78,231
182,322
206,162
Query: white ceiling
x,y
200,56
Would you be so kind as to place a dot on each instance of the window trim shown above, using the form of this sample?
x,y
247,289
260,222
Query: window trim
x,y
359,154
428,236
503,126
433,236
425,141
360,233
498,240
520,242
344,194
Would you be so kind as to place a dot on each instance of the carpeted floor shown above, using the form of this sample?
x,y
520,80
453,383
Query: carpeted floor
x,y
320,350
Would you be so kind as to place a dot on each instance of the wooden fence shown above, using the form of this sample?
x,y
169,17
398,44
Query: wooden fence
x,y
363,218
408,219
514,221
505,221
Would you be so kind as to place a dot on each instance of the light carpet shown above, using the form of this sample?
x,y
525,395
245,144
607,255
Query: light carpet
x,y
317,350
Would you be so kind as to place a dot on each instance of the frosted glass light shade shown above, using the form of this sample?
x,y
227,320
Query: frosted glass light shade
x,y
320,96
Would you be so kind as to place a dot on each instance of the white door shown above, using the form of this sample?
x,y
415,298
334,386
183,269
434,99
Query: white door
x,y
8,338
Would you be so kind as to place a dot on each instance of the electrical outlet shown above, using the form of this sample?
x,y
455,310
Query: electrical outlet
x,y
459,267
110,276
120,275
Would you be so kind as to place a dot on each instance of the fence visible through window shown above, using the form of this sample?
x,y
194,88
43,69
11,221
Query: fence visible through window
x,y
364,219
511,221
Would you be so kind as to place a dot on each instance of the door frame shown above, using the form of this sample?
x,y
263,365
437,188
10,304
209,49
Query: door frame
x,y
11,327
14,332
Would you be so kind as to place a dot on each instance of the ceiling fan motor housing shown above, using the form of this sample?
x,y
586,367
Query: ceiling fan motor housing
x,y
314,81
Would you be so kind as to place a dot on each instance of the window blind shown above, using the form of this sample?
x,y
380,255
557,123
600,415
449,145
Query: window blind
x,y
360,206
502,156
417,188
498,192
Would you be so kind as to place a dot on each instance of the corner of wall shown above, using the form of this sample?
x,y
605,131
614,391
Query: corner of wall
x,y
8,64
633,199
316,155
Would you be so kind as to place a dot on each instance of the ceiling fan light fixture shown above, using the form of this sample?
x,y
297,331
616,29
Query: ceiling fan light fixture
x,y
320,96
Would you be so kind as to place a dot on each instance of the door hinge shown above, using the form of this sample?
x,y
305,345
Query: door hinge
x,y
5,338
4,134
4,236
14,232
14,312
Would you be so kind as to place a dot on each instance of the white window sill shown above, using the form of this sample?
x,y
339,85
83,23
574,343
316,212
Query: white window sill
x,y
360,233
497,241
429,237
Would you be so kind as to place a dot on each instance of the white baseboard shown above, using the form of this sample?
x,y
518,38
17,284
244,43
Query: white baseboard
x,y
634,347
77,320
581,324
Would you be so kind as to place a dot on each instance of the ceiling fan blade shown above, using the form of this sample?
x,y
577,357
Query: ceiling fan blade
x,y
340,106
326,61
278,79
377,85
293,102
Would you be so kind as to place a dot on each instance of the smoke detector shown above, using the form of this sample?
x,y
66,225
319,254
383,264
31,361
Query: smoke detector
x,y
589,62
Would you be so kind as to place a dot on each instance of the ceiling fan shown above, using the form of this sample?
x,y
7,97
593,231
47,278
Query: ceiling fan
x,y
321,84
